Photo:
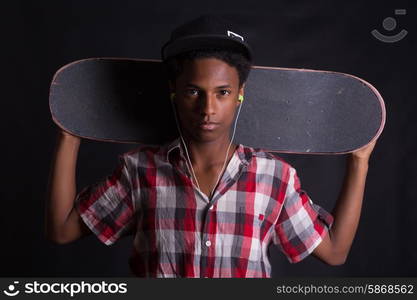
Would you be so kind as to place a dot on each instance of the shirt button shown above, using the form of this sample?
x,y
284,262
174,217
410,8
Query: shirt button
x,y
208,243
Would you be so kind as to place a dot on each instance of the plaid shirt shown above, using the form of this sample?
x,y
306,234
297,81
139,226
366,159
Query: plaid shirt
x,y
180,232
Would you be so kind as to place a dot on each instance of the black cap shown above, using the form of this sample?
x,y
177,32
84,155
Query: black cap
x,y
207,31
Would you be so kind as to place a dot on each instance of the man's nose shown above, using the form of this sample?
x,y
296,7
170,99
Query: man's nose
x,y
208,104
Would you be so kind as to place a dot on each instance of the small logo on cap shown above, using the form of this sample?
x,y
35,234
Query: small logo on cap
x,y
232,34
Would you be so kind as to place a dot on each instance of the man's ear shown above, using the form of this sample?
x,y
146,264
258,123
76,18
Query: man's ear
x,y
242,89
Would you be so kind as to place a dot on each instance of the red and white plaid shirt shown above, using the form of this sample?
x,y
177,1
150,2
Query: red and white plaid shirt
x,y
180,232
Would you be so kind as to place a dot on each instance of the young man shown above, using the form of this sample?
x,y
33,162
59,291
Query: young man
x,y
202,206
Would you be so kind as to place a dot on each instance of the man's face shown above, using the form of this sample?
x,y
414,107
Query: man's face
x,y
207,91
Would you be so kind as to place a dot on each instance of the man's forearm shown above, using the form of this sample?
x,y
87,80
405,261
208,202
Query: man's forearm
x,y
348,207
62,183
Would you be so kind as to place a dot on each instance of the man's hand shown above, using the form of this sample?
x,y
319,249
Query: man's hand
x,y
365,152
65,134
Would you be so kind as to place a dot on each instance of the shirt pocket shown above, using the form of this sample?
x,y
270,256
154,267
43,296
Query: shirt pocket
x,y
249,228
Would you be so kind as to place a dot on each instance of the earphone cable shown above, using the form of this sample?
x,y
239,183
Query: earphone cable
x,y
188,157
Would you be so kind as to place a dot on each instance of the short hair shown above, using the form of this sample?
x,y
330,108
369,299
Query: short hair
x,y
174,65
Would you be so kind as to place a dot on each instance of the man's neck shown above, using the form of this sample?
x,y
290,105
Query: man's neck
x,y
209,155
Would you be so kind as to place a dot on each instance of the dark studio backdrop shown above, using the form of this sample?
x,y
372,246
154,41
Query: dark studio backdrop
x,y
38,37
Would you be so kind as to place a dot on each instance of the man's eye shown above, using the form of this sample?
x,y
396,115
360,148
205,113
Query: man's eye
x,y
192,92
224,92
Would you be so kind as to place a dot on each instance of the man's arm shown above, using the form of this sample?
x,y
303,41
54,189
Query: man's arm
x,y
63,224
335,247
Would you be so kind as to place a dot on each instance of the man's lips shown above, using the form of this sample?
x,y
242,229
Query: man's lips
x,y
208,125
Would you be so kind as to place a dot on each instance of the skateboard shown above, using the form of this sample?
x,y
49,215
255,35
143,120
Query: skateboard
x,y
285,110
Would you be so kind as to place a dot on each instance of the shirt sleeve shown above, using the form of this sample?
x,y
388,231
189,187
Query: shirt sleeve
x,y
107,207
301,225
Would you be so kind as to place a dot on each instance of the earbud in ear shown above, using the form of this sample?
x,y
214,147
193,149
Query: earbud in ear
x,y
240,98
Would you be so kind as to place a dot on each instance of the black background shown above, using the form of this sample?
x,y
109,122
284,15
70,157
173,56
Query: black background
x,y
38,37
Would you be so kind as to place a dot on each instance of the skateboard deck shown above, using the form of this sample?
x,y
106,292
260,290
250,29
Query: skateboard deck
x,y
285,110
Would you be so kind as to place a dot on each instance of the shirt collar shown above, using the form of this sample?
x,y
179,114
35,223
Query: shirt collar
x,y
172,148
